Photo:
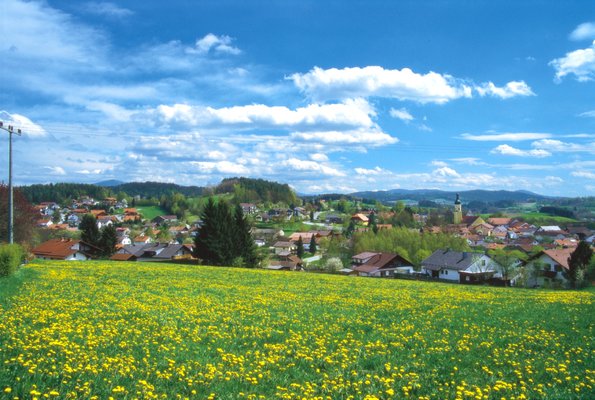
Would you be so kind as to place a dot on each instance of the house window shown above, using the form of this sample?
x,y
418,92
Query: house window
x,y
445,272
483,263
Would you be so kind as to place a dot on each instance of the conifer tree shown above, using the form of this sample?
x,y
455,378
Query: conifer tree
x,y
578,262
300,248
108,240
245,246
313,247
89,231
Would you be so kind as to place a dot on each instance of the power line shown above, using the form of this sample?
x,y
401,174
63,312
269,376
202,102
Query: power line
x,y
10,129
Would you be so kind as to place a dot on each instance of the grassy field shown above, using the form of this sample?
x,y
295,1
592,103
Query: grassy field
x,y
151,212
538,218
132,330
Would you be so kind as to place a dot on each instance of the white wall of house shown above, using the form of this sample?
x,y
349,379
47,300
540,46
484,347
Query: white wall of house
x,y
449,274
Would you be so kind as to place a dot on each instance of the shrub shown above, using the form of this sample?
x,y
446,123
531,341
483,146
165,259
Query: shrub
x,y
11,256
333,264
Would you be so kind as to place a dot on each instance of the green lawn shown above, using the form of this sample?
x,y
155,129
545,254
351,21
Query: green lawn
x,y
151,212
86,330
538,218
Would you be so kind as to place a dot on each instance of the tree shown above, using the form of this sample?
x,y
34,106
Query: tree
x,y
56,216
333,264
24,217
245,246
350,229
225,239
108,240
577,264
313,247
300,248
89,231
508,262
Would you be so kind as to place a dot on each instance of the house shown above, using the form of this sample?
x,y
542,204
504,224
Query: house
x,y
249,208
463,267
360,219
165,219
104,221
333,219
288,262
284,246
99,213
552,231
548,266
142,239
44,223
472,221
382,265
65,249
157,252
110,201
499,221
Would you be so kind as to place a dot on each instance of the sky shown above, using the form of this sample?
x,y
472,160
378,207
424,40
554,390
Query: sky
x,y
327,96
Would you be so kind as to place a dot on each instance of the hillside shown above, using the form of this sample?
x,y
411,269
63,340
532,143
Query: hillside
x,y
151,331
488,196
257,190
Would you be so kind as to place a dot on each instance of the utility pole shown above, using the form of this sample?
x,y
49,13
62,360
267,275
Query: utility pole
x,y
10,129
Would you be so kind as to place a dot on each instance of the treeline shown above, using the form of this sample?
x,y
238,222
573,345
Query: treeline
x,y
157,189
246,190
409,244
63,192
557,211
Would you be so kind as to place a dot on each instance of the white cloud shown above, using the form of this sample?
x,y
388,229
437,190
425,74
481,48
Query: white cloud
x,y
563,147
511,89
580,63
351,113
28,127
588,114
320,157
507,150
446,172
583,174
311,166
468,160
437,163
404,84
585,31
363,137
375,171
401,114
222,167
106,9
59,171
554,179
510,136
218,44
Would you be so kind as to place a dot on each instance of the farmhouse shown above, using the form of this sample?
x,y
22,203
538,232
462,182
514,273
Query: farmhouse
x,y
549,266
381,265
459,266
154,252
65,249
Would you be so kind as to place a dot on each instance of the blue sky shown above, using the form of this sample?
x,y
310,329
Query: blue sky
x,y
328,96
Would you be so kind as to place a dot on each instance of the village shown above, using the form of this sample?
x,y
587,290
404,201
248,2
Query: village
x,y
540,253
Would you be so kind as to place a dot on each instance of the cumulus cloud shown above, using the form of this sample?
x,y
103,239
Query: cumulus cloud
x,y
372,172
217,44
580,63
58,171
311,166
585,31
507,150
511,89
590,114
363,137
319,157
401,114
404,84
27,127
509,136
583,174
222,167
446,172
351,113
107,9
553,145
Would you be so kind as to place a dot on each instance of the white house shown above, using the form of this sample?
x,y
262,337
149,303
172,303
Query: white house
x,y
64,249
548,267
464,267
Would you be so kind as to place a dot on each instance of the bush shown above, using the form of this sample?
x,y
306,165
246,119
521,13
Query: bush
x,y
11,256
333,264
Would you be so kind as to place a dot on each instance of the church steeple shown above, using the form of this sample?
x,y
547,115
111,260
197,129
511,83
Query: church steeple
x,y
458,212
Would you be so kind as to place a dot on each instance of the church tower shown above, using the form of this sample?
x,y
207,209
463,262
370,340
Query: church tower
x,y
458,212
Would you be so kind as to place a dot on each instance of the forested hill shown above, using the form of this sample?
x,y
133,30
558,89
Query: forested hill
x,y
257,190
157,189
63,192
489,196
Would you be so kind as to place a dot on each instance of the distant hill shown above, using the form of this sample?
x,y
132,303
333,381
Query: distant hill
x,y
157,189
257,190
487,196
109,183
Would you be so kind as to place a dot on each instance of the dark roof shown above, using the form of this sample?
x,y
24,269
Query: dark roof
x,y
456,260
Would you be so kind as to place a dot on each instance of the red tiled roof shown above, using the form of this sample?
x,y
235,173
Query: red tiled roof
x,y
56,248
560,256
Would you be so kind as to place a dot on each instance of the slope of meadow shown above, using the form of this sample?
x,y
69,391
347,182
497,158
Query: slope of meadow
x,y
133,330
